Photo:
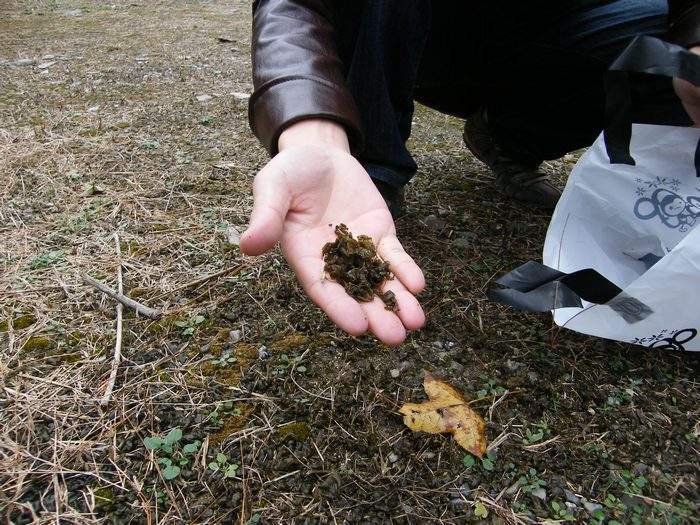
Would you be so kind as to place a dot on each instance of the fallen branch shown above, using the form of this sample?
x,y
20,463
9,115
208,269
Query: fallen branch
x,y
141,309
118,344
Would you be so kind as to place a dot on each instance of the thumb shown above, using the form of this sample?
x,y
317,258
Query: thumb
x,y
271,199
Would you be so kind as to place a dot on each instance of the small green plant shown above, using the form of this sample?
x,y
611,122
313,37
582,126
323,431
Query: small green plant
x,y
561,512
225,409
170,455
533,436
480,510
160,495
614,503
620,396
254,519
285,363
206,120
188,327
45,260
150,144
488,462
630,482
531,482
490,388
221,464
224,359
468,461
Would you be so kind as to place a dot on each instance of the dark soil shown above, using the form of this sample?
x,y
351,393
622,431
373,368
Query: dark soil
x,y
117,135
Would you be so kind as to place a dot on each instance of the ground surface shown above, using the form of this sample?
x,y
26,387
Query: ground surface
x,y
104,133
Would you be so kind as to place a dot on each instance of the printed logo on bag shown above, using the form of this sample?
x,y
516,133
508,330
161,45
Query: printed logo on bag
x,y
659,198
667,339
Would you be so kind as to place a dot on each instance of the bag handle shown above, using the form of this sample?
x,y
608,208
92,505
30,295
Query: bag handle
x,y
649,55
534,287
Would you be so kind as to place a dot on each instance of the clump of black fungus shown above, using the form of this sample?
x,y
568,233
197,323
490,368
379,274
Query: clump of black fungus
x,y
355,265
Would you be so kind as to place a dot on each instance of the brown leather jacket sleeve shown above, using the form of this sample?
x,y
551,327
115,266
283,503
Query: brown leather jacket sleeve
x,y
684,22
296,70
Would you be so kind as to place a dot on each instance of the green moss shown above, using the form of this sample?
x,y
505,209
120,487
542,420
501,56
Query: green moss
x,y
290,342
163,325
296,430
138,292
132,248
232,423
37,343
18,323
104,498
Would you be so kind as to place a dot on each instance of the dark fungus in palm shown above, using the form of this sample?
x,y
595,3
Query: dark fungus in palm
x,y
355,265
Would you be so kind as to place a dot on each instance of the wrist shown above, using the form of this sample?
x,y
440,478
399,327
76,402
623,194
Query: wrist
x,y
315,132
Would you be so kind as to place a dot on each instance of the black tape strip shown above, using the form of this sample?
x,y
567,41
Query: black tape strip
x,y
644,55
697,159
535,287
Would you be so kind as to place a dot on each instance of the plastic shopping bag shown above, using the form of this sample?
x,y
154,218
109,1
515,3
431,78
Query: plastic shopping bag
x,y
622,253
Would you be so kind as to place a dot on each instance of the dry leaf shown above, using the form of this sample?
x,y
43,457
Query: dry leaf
x,y
446,411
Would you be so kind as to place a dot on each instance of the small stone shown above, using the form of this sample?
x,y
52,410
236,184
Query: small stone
x,y
457,367
513,366
590,506
571,497
233,236
73,12
461,242
46,65
510,491
225,165
263,353
93,109
240,96
437,344
532,376
204,98
393,458
48,57
573,509
428,455
639,469
234,336
395,372
540,493
435,224
23,62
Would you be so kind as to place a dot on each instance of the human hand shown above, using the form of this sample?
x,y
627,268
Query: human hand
x,y
689,94
308,188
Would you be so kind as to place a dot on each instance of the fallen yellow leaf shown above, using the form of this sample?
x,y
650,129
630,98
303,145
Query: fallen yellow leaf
x,y
446,411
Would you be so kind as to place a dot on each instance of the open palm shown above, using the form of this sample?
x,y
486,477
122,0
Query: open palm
x,y
299,198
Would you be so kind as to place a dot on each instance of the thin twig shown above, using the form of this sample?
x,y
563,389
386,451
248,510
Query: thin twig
x,y
118,344
123,299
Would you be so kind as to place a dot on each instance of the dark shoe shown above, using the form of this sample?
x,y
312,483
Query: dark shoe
x,y
393,196
517,180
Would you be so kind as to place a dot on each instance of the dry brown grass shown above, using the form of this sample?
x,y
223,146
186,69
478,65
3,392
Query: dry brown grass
x,y
112,139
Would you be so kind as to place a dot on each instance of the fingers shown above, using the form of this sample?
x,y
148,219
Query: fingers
x,y
383,323
401,264
328,295
357,318
409,309
271,200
